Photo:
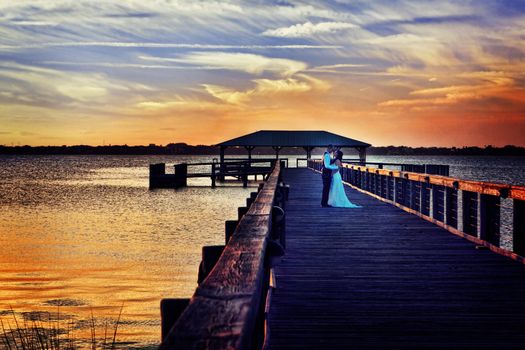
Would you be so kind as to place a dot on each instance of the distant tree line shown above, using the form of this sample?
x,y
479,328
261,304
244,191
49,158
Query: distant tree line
x,y
185,149
508,150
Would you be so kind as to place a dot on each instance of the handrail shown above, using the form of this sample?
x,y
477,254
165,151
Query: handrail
x,y
482,187
437,199
224,311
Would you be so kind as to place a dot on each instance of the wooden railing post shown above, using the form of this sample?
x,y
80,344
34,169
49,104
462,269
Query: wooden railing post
x,y
438,203
391,187
229,229
451,207
407,195
489,219
518,234
470,212
415,195
170,310
398,187
213,165
245,174
241,211
210,256
425,197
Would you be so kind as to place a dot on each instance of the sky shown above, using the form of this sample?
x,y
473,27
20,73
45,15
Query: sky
x,y
387,72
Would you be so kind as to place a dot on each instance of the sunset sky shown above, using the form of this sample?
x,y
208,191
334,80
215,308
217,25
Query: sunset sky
x,y
417,73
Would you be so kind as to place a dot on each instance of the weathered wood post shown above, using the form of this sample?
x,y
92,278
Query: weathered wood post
x,y
181,174
249,149
229,229
518,234
156,171
362,155
425,197
210,256
470,213
308,150
438,201
415,195
277,149
241,211
451,206
251,199
391,186
221,163
213,165
489,219
245,174
170,310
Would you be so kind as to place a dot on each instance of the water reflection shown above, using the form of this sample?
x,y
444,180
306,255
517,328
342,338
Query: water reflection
x,y
88,235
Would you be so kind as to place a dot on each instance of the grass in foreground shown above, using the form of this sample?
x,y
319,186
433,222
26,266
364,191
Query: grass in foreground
x,y
49,331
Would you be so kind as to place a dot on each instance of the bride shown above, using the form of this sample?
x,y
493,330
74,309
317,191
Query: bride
x,y
337,196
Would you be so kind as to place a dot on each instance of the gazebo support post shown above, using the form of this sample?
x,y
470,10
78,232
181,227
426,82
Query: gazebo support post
x,y
249,149
362,155
277,149
308,150
221,163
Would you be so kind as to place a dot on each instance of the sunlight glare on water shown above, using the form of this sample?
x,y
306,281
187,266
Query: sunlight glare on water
x,y
86,233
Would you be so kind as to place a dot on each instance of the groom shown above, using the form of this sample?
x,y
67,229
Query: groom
x,y
327,175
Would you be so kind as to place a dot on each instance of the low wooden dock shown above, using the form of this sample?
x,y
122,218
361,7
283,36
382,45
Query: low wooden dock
x,y
381,278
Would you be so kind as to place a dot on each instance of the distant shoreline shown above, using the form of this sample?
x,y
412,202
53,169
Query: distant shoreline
x,y
185,149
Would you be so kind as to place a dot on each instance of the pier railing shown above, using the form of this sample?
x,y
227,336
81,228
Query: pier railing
x,y
229,307
435,169
442,199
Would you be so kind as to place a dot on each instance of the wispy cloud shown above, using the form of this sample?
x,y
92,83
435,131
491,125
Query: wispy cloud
x,y
162,46
308,29
267,88
245,62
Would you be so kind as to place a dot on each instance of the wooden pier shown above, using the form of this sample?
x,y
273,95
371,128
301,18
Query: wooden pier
x,y
419,266
379,277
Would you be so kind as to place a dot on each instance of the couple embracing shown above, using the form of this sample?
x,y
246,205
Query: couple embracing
x,y
333,189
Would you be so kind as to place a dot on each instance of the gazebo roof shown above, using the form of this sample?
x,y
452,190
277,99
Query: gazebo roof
x,y
292,138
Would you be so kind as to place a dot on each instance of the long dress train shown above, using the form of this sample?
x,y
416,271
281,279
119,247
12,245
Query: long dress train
x,y
337,196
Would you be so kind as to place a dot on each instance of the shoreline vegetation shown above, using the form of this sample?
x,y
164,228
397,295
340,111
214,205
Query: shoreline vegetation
x,y
55,331
185,149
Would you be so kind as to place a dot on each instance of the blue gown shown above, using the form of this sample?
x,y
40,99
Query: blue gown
x,y
337,196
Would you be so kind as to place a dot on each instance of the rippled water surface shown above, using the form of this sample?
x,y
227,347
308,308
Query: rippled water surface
x,y
85,234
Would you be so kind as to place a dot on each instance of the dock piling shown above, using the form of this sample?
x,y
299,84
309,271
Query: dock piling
x,y
210,256
170,310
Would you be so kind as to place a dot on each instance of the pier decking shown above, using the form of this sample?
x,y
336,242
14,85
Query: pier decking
x,y
381,278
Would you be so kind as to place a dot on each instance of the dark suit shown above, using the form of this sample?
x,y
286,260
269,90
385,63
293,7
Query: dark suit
x,y
326,175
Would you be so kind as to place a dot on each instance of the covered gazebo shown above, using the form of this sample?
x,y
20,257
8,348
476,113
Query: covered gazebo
x,y
278,139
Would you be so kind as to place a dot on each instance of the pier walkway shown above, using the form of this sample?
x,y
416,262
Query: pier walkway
x,y
381,278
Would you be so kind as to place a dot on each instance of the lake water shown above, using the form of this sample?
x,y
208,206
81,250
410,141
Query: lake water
x,y
84,234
